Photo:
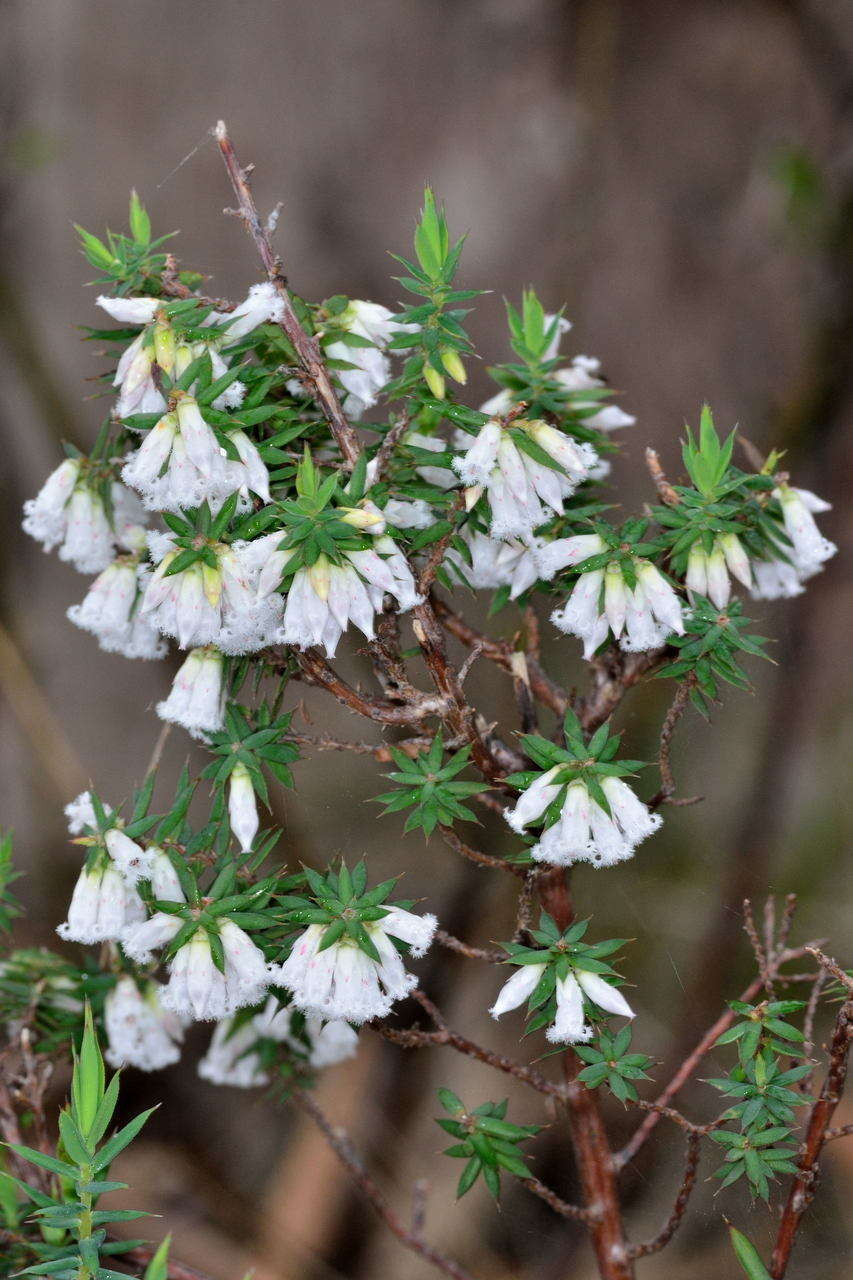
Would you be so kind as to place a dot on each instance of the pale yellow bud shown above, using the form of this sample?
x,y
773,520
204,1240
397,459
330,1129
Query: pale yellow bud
x,y
320,577
212,584
435,381
164,347
454,366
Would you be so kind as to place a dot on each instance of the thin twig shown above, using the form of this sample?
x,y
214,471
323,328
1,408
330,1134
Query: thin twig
x,y
343,1148
572,1211
477,855
307,348
490,954
680,703
673,1222
665,490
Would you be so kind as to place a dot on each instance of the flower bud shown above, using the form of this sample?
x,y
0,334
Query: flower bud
x,y
454,366
367,517
434,380
320,578
164,346
242,808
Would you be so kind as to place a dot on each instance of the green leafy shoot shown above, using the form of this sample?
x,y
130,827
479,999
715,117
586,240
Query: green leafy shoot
x,y
342,903
486,1140
431,788
128,264
748,1256
256,741
709,649
609,1063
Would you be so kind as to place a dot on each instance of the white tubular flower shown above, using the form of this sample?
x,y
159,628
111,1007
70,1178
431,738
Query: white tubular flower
x,y
342,982
108,612
138,392
80,814
197,989
132,860
414,513
810,548
249,475
102,906
517,989
180,463
737,561
640,618
45,516
141,940
331,1042
775,580
202,605
580,376
569,1026
580,615
533,802
364,382
242,807
263,305
584,831
197,698
140,1032
496,564
565,553
517,486
232,1057
88,542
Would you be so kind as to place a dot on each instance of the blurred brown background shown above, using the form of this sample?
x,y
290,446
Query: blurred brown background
x,y
681,176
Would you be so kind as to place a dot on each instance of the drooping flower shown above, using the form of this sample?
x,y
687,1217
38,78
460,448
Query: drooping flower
x,y
140,940
102,905
522,492
578,983
242,806
197,700
140,1032
342,981
234,1056
601,602
708,572
137,388
324,598
80,814
180,463
585,832
806,551
371,369
110,612
262,305
198,989
514,564
70,512
202,605
45,516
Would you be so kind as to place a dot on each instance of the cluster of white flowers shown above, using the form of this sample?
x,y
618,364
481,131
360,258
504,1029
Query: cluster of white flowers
x,y
640,617
371,368
342,981
585,831
324,598
568,1026
234,1055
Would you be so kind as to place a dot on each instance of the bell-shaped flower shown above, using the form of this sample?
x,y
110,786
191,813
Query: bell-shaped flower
x,y
250,474
80,814
585,832
102,905
371,368
263,305
342,981
134,376
809,549
180,463
522,492
110,612
601,602
198,989
708,572
232,1056
568,1026
775,580
242,806
197,698
140,1032
45,516
494,564
413,513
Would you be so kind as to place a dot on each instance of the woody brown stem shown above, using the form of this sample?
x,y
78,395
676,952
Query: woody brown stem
x,y
307,348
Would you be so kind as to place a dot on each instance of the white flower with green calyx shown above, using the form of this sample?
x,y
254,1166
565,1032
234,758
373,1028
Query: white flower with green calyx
x,y
526,469
564,980
511,565
245,1049
334,562
798,540
247,743
140,1032
105,900
355,344
347,964
589,814
618,592
200,592
154,347
180,463
110,611
573,393
214,972
197,697
86,513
